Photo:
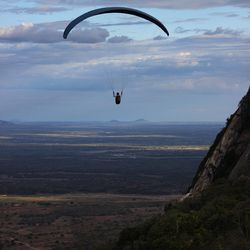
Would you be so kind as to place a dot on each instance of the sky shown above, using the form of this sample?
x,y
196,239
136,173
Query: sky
x,y
199,73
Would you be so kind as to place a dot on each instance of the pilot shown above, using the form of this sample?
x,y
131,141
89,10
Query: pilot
x,y
117,97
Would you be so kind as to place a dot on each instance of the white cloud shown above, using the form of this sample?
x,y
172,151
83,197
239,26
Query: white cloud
x,y
40,9
89,35
160,37
185,54
170,4
192,20
119,39
51,33
194,64
219,31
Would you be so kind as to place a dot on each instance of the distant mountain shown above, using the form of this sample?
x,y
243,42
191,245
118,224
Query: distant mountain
x,y
5,123
114,121
129,122
141,120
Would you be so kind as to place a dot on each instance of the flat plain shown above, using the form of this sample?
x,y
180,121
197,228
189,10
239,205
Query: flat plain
x,y
76,185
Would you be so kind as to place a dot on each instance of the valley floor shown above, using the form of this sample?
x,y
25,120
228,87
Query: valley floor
x,y
72,221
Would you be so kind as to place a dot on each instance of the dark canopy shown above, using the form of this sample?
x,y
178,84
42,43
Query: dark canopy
x,y
108,10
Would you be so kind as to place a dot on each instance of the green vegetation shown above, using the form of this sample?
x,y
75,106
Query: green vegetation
x,y
218,219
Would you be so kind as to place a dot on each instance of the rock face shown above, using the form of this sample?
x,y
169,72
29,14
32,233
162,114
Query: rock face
x,y
229,156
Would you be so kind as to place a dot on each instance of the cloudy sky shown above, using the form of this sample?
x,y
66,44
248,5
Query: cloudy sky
x,y
198,73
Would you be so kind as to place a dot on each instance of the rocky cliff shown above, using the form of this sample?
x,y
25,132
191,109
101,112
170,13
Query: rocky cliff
x,y
229,156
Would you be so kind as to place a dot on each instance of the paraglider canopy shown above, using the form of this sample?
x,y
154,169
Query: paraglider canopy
x,y
108,10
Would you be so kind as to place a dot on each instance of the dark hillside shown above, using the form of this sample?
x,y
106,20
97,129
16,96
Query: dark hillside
x,y
218,219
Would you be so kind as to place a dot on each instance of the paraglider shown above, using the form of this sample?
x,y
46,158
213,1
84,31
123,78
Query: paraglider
x,y
108,10
117,97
